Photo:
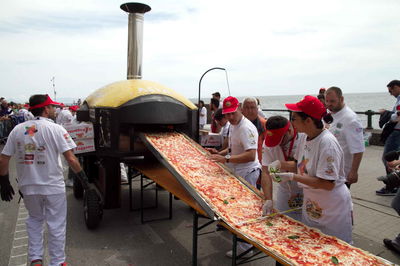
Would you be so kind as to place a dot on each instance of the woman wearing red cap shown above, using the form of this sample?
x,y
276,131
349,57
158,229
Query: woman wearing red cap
x,y
320,171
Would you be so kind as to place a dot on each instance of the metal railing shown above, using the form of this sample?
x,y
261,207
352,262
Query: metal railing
x,y
368,113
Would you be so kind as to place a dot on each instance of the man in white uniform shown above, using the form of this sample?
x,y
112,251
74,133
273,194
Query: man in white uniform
x,y
241,153
242,143
347,129
281,146
37,145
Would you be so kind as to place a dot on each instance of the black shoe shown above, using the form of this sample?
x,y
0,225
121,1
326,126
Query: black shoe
x,y
391,245
385,192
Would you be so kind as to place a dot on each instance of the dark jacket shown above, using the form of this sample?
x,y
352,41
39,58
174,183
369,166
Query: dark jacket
x,y
384,118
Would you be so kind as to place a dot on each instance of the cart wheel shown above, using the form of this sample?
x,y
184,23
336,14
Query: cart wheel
x,y
92,209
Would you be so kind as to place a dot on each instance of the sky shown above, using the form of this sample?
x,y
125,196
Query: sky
x,y
286,47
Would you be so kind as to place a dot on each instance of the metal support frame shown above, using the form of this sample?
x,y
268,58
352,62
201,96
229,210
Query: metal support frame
x,y
239,259
196,229
144,187
236,260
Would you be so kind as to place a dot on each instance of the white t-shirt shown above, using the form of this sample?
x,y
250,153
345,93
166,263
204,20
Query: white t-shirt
x,y
347,129
329,211
203,116
289,194
37,145
225,130
243,137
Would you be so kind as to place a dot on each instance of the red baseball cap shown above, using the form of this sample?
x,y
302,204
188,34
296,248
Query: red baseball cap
x,y
274,136
74,108
230,105
398,107
309,105
47,102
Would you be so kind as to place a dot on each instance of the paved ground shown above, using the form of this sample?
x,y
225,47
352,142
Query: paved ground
x,y
121,239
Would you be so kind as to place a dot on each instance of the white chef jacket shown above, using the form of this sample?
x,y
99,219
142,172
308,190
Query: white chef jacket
x,y
243,137
348,130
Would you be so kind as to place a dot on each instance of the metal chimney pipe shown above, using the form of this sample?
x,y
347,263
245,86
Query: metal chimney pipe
x,y
135,37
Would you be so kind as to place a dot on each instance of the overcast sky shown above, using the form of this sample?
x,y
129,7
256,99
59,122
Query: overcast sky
x,y
268,47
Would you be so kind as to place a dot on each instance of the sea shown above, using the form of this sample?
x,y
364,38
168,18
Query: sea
x,y
359,102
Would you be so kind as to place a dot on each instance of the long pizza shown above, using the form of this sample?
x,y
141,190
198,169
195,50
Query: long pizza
x,y
241,208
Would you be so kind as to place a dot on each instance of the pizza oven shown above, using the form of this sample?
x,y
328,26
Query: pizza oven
x,y
121,111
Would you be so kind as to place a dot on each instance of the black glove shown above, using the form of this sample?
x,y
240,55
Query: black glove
x,y
391,156
6,190
88,186
84,179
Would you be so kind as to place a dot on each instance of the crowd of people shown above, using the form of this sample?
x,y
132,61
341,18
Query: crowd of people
x,y
314,157
12,114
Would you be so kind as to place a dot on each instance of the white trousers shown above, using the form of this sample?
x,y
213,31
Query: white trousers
x,y
52,210
250,176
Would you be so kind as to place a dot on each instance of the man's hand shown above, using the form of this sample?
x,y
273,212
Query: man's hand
x,y
274,166
267,208
282,177
212,150
6,190
393,164
352,177
218,158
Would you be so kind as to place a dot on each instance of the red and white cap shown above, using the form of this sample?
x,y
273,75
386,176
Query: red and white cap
x,y
274,136
47,102
230,105
74,108
309,105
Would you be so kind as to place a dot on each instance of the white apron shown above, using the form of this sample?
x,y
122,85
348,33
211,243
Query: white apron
x,y
323,212
289,196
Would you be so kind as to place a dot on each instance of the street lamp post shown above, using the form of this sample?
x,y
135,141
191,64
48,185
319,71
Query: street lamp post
x,y
54,88
198,112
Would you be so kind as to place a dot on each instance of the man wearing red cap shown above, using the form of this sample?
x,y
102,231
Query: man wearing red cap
x,y
37,145
241,154
319,171
281,146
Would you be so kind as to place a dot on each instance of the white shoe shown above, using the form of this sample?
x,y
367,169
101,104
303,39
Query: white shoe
x,y
69,183
248,255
